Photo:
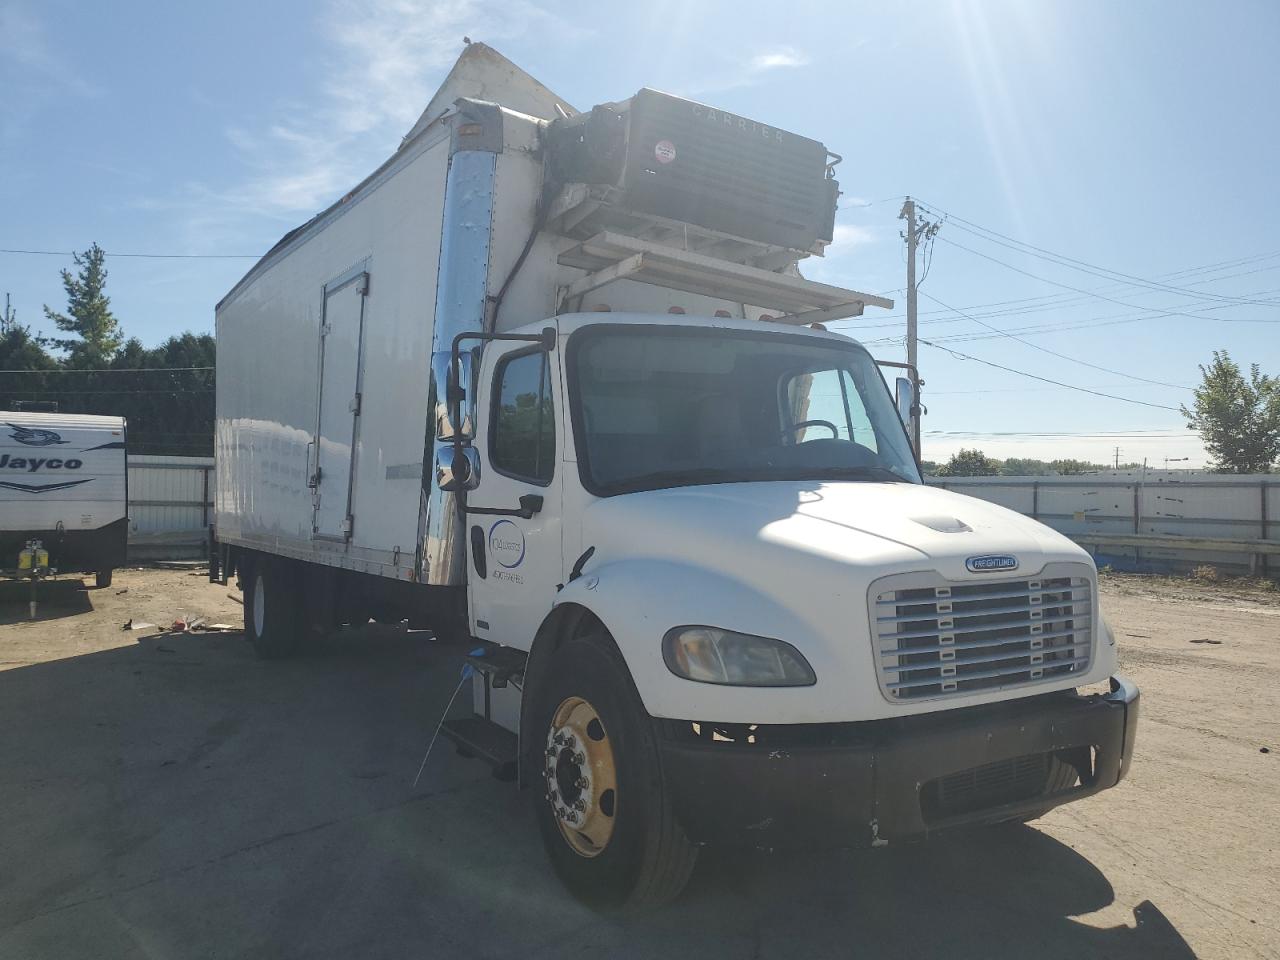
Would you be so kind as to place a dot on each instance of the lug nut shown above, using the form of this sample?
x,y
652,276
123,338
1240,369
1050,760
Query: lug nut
x,y
579,758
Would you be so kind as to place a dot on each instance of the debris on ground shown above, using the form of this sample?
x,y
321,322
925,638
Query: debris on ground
x,y
137,625
235,598
122,592
179,626
1207,640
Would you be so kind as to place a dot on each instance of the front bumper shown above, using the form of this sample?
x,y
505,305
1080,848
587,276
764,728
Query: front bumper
x,y
863,784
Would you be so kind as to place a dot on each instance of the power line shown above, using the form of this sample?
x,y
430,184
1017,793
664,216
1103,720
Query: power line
x,y
1058,301
1055,353
1058,383
55,392
111,370
1111,434
1099,296
1082,265
1055,326
144,256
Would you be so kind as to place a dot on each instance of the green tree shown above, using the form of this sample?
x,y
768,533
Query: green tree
x,y
1237,418
969,463
1073,468
96,330
21,351
1023,467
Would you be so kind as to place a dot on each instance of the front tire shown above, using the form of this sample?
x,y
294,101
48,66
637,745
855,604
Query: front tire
x,y
272,608
601,800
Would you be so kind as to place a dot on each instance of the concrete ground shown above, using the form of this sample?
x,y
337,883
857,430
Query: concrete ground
x,y
169,796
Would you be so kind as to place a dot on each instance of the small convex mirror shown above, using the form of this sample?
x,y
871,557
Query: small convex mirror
x,y
457,468
904,396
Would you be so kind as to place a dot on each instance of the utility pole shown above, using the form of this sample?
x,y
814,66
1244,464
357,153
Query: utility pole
x,y
917,229
1117,458
909,214
6,321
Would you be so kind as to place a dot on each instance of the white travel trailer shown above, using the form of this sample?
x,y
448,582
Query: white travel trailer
x,y
552,382
63,483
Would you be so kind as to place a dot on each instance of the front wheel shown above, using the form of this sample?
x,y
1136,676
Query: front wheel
x,y
603,807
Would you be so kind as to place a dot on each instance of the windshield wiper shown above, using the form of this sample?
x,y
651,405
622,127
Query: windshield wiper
x,y
858,473
679,478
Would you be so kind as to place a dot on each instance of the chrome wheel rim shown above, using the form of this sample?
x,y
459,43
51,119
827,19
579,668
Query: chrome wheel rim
x,y
259,605
581,777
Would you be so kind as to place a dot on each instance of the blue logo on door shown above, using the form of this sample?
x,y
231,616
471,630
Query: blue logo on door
x,y
506,543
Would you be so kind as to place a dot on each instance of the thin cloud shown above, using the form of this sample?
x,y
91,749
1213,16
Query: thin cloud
x,y
782,57
733,75
385,60
847,235
32,72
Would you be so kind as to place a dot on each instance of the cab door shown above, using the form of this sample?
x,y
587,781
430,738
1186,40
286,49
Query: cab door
x,y
514,554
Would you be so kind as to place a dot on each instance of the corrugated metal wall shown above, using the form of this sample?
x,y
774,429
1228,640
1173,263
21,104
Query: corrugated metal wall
x,y
170,505
1217,506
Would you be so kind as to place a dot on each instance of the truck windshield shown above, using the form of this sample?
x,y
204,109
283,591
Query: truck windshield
x,y
658,406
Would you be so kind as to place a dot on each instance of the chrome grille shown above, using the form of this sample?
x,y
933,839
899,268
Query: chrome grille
x,y
946,639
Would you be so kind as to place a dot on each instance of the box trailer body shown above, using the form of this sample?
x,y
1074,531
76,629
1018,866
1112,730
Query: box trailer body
x,y
64,482
552,384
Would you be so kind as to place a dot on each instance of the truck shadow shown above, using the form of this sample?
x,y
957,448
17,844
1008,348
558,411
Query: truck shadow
x,y
55,599
1002,892
214,804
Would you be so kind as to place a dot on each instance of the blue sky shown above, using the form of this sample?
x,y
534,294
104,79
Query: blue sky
x,y
1138,137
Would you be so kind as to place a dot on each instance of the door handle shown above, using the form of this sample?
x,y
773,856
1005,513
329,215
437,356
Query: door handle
x,y
313,478
477,551
530,504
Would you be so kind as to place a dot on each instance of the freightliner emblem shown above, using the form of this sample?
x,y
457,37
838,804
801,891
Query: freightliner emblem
x,y
990,563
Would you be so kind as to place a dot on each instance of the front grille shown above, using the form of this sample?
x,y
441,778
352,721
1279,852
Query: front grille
x,y
948,639
990,785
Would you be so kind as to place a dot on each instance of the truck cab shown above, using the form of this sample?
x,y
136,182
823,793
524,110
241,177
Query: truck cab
x,y
713,542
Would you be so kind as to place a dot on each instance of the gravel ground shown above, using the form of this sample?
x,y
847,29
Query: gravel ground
x,y
167,795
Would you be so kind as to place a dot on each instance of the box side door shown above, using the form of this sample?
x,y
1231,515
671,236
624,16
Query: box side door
x,y
338,417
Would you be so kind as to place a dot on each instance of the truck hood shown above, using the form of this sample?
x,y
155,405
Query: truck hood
x,y
796,561
814,526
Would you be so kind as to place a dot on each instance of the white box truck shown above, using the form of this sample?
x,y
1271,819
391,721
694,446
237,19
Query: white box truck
x,y
63,484
551,382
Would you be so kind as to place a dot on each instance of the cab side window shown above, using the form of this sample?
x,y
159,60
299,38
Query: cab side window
x,y
523,436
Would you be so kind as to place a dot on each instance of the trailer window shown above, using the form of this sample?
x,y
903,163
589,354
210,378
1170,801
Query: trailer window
x,y
523,437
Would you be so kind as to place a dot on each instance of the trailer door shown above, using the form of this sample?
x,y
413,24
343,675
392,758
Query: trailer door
x,y
338,420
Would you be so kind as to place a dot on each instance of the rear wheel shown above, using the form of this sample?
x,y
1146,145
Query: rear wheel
x,y
102,578
272,614
602,804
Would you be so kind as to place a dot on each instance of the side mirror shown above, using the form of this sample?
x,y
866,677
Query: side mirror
x,y
904,396
455,396
457,468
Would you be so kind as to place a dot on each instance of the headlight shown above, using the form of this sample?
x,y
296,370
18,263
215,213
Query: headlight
x,y
711,655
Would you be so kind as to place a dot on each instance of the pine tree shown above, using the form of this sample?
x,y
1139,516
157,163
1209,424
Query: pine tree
x,y
97,332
